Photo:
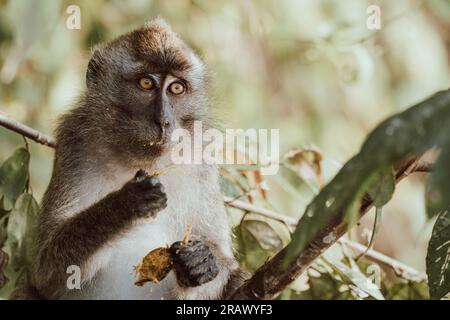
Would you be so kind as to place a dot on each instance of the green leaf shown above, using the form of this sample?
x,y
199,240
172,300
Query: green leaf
x,y
255,242
3,231
438,186
382,187
22,227
438,257
267,238
228,187
408,290
3,255
410,132
14,177
356,276
3,212
306,163
21,241
323,287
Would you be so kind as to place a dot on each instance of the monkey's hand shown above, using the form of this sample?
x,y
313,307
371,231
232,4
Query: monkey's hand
x,y
145,195
193,262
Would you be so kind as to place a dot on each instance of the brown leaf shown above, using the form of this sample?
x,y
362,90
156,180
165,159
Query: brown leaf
x,y
154,266
306,163
256,176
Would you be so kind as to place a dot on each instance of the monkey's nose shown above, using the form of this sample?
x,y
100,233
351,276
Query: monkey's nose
x,y
162,122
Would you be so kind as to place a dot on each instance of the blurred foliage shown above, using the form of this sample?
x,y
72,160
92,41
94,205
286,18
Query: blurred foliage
x,y
411,132
311,68
18,217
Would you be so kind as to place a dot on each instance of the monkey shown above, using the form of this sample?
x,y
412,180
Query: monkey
x,y
104,210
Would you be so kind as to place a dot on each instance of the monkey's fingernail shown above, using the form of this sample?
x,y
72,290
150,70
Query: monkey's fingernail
x,y
151,143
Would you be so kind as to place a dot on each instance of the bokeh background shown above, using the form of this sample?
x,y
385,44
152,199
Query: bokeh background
x,y
311,68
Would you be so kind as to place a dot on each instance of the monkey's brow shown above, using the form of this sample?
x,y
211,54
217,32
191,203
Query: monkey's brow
x,y
134,67
165,61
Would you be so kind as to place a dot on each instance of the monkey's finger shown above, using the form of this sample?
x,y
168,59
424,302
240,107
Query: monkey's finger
x,y
192,254
182,248
140,175
207,266
151,182
155,204
154,194
206,277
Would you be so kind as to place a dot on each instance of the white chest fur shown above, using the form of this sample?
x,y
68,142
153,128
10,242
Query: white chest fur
x,y
193,195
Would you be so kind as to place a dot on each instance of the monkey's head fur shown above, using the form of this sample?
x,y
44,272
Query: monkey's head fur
x,y
141,87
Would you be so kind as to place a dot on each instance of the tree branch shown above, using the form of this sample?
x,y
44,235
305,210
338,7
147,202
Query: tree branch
x,y
11,124
268,281
401,269
245,206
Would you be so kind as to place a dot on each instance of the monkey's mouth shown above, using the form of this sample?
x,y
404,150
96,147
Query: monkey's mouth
x,y
162,142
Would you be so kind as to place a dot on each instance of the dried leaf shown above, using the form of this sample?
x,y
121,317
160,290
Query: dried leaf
x,y
306,163
154,266
157,263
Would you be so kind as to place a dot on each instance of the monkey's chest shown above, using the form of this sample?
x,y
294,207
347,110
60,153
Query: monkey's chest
x,y
116,278
191,202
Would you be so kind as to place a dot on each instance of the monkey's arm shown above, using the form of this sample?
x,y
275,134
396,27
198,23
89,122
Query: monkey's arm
x,y
76,239
236,279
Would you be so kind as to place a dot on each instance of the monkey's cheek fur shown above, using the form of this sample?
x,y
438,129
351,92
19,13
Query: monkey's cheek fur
x,y
193,262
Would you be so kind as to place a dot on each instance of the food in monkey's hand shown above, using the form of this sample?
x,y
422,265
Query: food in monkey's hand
x,y
156,264
162,171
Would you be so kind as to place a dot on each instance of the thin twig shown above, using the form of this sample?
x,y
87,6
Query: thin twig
x,y
13,125
400,268
337,228
274,276
291,222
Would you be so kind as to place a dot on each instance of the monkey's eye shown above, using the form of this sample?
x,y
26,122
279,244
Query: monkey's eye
x,y
177,88
146,83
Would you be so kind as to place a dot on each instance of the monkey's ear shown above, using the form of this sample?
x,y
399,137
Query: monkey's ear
x,y
94,69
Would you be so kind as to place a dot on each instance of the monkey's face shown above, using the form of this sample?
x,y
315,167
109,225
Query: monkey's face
x,y
149,83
